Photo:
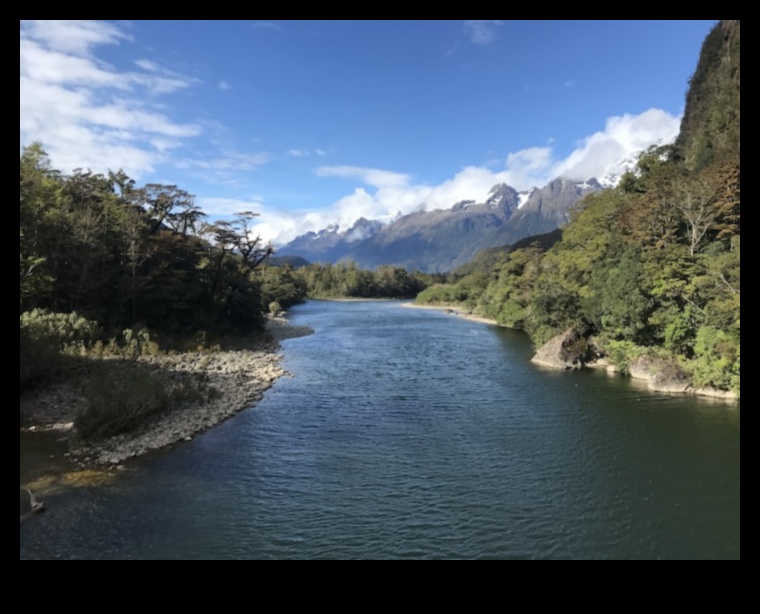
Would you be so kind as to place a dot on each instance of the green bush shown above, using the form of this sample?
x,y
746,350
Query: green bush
x,y
717,360
137,342
622,353
59,330
125,399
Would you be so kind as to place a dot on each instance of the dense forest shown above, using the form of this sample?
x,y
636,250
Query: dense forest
x,y
652,266
106,263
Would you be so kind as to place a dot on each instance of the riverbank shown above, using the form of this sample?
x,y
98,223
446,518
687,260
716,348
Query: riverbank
x,y
653,379
239,379
456,310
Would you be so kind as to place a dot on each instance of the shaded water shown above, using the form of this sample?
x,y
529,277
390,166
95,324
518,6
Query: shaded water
x,y
415,434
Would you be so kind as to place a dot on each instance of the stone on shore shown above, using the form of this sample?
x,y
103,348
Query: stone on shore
x,y
566,351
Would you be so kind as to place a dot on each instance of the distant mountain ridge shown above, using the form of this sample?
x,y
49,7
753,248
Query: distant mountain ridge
x,y
441,240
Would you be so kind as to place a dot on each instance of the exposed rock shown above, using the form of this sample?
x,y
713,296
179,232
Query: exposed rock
x,y
661,375
602,364
566,351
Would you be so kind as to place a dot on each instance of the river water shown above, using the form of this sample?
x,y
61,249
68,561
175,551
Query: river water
x,y
409,433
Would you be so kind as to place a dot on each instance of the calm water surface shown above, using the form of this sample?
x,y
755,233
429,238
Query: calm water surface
x,y
410,433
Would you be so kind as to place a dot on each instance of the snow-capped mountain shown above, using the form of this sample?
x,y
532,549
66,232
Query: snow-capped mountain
x,y
442,239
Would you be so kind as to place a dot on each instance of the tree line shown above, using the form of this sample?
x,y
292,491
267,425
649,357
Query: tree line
x,y
122,255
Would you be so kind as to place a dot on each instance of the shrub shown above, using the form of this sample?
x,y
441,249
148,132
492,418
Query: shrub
x,y
59,330
622,353
126,399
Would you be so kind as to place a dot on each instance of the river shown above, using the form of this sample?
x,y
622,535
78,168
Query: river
x,y
415,434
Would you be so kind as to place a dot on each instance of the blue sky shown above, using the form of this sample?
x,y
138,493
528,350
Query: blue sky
x,y
312,122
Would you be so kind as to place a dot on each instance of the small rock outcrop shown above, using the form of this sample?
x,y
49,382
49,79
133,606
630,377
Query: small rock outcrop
x,y
661,375
566,351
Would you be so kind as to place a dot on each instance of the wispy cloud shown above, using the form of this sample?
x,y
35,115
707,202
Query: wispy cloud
x,y
73,36
451,50
86,112
147,65
482,31
268,25
216,207
229,162
223,85
570,83
302,152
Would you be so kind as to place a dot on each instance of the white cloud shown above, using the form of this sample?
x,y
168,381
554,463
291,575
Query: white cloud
x,y
87,113
395,193
570,83
73,36
528,167
622,137
320,152
482,31
371,176
223,85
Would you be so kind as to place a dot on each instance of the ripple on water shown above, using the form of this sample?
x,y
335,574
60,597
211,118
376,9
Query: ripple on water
x,y
413,434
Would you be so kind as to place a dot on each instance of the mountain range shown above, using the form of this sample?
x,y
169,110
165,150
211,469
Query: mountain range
x,y
440,240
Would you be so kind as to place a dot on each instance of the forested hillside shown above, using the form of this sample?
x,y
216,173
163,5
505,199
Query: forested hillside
x,y
652,266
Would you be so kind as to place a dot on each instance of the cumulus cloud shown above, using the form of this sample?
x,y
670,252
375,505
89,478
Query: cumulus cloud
x,y
622,137
528,167
482,31
86,112
384,194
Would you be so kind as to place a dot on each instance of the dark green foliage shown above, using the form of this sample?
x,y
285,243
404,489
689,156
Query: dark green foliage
x,y
619,300
39,360
711,122
123,255
488,259
282,285
346,279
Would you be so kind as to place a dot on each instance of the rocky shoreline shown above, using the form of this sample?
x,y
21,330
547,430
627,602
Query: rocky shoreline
x,y
239,378
569,350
